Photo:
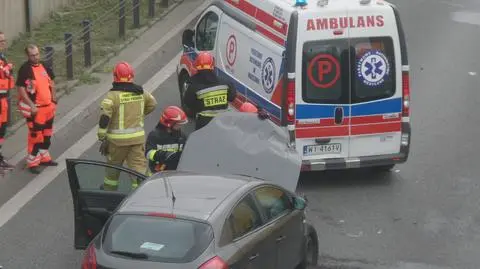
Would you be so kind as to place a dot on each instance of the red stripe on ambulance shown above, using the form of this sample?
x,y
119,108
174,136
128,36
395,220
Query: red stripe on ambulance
x,y
271,35
314,131
244,6
260,15
322,131
376,128
271,21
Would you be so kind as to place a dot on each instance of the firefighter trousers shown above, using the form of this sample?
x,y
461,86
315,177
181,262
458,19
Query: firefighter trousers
x,y
133,155
40,131
3,118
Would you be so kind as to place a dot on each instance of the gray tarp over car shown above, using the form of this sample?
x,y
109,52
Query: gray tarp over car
x,y
241,143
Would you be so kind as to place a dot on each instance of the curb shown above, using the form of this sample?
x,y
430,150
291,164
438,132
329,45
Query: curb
x,y
70,85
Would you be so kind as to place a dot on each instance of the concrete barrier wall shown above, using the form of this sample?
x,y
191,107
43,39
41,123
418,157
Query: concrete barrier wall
x,y
13,14
12,17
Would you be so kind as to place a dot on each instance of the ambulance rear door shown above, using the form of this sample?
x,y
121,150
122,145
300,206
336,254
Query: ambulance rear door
x,y
376,82
323,84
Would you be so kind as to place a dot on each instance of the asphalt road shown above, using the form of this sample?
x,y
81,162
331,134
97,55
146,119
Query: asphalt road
x,y
423,214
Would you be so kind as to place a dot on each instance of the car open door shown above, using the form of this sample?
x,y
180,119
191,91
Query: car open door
x,y
92,205
241,143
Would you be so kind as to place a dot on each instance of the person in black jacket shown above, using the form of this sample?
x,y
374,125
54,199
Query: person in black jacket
x,y
165,143
207,96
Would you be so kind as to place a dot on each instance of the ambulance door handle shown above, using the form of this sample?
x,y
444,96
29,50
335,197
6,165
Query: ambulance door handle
x,y
323,140
338,115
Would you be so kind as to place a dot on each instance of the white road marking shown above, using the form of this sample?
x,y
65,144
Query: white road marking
x,y
449,3
466,17
17,158
472,73
17,202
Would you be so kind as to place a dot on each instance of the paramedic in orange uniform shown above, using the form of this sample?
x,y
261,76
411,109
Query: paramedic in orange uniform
x,y
7,82
37,102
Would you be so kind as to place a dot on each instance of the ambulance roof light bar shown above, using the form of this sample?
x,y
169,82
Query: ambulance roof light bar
x,y
322,3
300,3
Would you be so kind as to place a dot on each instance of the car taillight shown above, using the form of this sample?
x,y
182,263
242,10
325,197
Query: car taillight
x,y
406,94
89,259
214,263
291,100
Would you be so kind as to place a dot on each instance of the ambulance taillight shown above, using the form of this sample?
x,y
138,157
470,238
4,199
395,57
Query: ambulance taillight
x,y
291,100
406,93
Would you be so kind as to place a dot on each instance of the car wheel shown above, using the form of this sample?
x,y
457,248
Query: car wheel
x,y
311,252
183,83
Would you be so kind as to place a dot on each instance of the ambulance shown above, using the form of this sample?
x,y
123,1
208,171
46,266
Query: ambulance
x,y
334,73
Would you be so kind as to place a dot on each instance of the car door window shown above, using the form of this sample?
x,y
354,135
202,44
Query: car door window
x,y
206,32
244,218
273,201
93,204
91,177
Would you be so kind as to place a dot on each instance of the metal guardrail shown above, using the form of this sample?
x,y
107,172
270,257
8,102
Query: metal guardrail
x,y
85,34
81,44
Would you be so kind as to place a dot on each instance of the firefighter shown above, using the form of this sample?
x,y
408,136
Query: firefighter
x,y
37,102
207,96
121,123
248,107
251,108
7,82
165,143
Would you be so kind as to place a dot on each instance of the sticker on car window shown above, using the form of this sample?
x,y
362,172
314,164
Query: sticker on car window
x,y
373,68
152,246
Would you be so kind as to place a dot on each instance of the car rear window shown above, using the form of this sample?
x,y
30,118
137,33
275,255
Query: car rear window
x,y
166,240
332,67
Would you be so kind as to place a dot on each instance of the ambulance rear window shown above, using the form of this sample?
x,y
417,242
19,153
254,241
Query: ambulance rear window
x,y
329,73
374,69
325,72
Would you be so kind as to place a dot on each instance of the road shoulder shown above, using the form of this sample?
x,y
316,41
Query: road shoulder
x,y
81,97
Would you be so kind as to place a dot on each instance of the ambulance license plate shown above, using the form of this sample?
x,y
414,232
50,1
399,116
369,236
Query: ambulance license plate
x,y
322,149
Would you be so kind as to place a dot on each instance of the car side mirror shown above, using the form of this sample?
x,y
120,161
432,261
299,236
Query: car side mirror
x,y
187,38
299,203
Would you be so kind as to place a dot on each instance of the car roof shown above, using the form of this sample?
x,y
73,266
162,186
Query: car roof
x,y
196,195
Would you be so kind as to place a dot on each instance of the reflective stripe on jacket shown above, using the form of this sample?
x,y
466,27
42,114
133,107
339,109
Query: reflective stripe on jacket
x,y
126,112
7,81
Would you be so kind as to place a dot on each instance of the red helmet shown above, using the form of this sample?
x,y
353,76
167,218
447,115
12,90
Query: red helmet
x,y
204,61
123,72
248,107
172,115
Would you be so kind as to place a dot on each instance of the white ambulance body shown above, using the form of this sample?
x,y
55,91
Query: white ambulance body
x,y
334,73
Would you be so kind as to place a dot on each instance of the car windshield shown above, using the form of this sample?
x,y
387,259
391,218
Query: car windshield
x,y
156,239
